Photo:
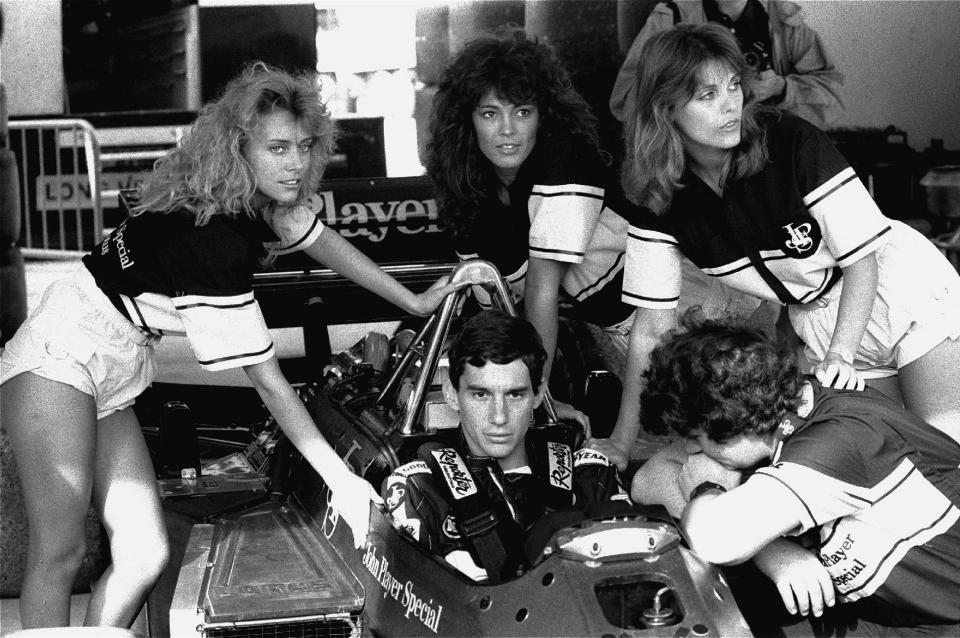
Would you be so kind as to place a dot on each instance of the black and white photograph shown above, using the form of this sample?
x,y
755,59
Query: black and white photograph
x,y
493,318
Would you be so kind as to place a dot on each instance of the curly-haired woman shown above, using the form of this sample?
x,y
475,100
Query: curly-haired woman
x,y
763,202
238,188
522,182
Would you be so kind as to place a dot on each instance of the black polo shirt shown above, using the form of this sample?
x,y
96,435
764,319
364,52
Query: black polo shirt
x,y
882,489
782,234
564,206
172,277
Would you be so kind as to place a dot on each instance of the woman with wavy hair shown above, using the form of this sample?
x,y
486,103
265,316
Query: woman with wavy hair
x,y
238,188
522,182
762,201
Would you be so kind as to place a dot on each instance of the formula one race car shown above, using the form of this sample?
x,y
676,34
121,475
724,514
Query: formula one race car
x,y
289,567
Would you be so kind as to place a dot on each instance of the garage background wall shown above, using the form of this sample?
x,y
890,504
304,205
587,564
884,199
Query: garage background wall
x,y
901,61
900,58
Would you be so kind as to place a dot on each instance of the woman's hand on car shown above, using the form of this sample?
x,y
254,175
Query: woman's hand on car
x,y
351,498
428,300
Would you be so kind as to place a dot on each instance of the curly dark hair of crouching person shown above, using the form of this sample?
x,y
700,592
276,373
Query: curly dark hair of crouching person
x,y
720,376
518,70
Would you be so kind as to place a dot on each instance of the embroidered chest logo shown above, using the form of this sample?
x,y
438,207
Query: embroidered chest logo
x,y
802,237
396,495
560,465
455,473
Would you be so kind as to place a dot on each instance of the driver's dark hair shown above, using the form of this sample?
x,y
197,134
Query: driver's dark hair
x,y
493,336
720,376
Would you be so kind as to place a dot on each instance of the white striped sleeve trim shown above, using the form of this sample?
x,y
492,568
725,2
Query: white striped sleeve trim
x,y
562,220
298,227
225,332
154,313
890,550
830,186
600,282
729,269
651,273
652,236
827,498
870,529
851,223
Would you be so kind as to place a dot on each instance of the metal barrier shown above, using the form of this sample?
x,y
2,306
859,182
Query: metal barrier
x,y
61,207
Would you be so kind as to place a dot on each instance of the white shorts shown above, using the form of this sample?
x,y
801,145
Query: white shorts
x,y
77,337
715,299
917,307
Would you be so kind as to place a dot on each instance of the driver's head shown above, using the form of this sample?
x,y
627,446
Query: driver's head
x,y
496,365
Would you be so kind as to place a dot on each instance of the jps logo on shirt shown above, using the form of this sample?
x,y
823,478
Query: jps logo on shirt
x,y
560,465
803,236
396,495
455,473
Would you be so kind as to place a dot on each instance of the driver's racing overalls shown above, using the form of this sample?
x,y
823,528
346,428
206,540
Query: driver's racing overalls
x,y
468,510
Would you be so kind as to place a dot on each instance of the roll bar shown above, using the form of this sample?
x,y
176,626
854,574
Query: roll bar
x,y
477,272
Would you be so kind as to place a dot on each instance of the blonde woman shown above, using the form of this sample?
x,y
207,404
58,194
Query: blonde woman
x,y
237,190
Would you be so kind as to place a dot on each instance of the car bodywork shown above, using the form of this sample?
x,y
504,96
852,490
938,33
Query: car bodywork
x,y
624,575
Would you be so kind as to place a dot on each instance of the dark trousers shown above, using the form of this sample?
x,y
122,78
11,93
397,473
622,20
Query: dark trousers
x,y
764,612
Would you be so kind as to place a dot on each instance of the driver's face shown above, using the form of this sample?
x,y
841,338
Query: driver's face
x,y
496,403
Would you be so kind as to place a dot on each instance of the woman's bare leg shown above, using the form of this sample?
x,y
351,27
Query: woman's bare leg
x,y
126,495
931,387
52,430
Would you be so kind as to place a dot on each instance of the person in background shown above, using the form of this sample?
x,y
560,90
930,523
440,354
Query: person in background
x,y
794,71
238,189
762,201
850,505
519,474
522,182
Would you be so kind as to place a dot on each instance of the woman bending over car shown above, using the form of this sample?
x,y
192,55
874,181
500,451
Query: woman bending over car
x,y
238,190
762,201
522,182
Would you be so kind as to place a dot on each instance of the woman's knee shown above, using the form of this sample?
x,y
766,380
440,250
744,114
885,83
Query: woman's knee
x,y
142,555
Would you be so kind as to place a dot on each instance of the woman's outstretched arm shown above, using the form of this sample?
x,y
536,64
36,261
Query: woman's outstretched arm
x,y
352,494
332,250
